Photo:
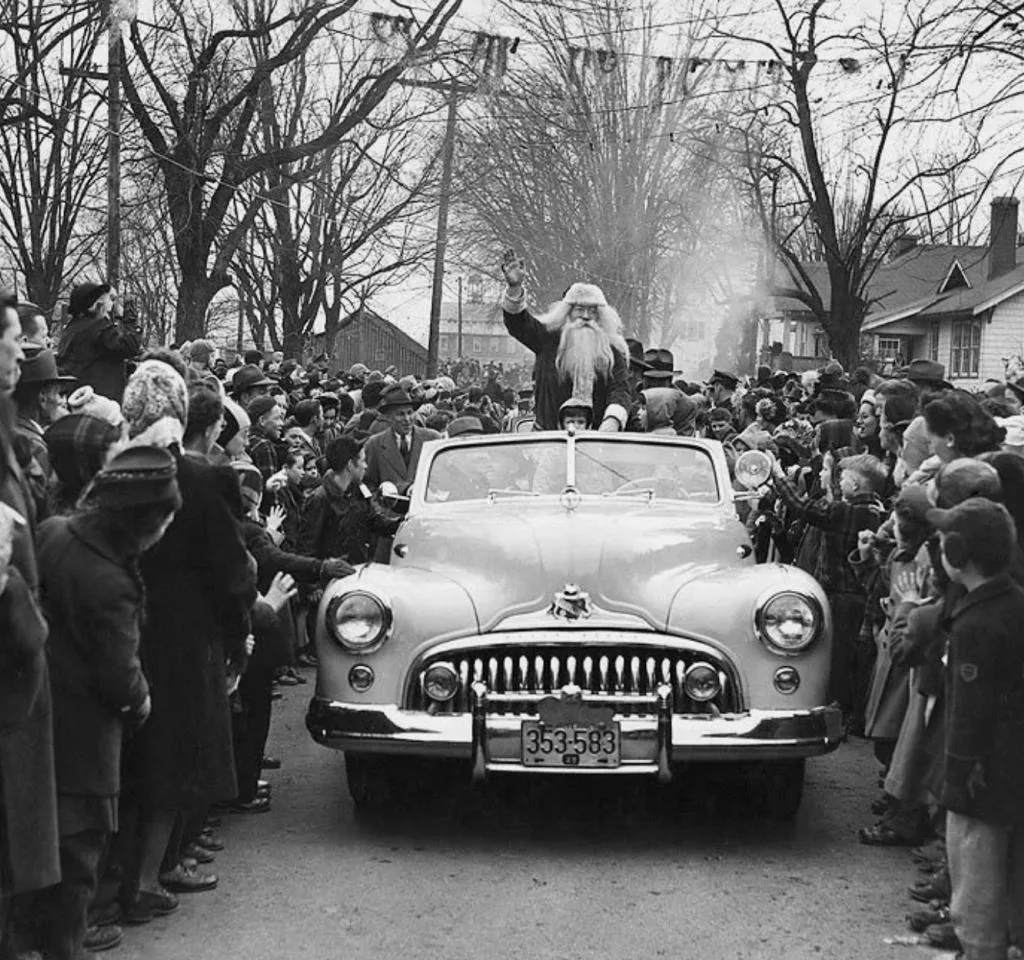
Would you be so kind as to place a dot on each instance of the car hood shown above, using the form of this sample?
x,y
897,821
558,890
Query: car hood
x,y
512,557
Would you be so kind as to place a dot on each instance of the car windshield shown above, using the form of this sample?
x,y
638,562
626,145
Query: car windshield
x,y
603,468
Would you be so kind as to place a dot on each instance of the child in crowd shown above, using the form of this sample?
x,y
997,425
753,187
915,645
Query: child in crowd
x,y
983,786
858,507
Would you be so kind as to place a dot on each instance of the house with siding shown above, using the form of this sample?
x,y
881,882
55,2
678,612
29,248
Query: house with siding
x,y
960,306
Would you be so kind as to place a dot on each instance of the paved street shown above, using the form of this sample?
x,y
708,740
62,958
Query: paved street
x,y
581,869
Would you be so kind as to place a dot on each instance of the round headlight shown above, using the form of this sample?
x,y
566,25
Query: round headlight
x,y
441,682
789,623
702,682
358,621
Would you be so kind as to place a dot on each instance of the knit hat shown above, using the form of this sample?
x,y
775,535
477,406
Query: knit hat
x,y
962,479
250,483
86,400
78,445
235,420
155,392
719,415
137,477
260,407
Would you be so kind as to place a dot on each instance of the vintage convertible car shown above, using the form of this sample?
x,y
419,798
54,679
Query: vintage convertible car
x,y
574,604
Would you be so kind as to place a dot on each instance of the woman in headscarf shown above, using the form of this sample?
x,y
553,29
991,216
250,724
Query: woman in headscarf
x,y
199,590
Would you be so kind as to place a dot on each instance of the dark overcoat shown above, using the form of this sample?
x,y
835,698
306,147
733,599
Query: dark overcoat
x,y
28,794
95,350
92,597
199,591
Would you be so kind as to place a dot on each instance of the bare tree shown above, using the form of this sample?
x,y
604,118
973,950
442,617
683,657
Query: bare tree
x,y
584,160
340,223
52,145
195,87
844,156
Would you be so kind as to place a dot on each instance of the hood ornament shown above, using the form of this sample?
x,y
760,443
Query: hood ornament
x,y
571,603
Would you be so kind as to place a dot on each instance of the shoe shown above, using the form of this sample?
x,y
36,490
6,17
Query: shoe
x,y
263,784
921,920
199,853
881,805
287,680
882,835
98,939
147,906
256,805
307,660
295,675
212,822
935,849
937,888
270,763
208,841
184,879
106,915
276,695
942,936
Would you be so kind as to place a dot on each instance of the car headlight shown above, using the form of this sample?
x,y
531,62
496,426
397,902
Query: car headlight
x,y
359,621
788,623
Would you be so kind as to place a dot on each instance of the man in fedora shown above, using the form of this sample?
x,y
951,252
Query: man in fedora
x,y
248,383
37,397
927,374
392,454
98,340
581,353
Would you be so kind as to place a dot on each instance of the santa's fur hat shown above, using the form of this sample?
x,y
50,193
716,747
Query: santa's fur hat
x,y
585,295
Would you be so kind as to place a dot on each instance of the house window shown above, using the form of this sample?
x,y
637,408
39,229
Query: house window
x,y
889,348
478,345
933,340
821,350
965,349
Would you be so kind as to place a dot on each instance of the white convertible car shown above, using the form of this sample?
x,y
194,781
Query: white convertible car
x,y
574,604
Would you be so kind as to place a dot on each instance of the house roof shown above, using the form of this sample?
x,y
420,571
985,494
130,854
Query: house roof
x,y
924,283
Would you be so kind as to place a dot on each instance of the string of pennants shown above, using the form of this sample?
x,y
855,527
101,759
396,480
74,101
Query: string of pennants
x,y
492,52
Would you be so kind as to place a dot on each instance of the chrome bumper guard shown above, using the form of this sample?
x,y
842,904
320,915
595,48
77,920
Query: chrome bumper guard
x,y
650,744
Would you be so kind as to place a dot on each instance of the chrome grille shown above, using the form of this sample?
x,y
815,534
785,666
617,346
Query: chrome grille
x,y
620,669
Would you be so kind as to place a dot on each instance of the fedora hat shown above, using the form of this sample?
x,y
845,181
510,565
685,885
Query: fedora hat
x,y
396,396
660,361
926,371
248,378
636,354
465,427
40,367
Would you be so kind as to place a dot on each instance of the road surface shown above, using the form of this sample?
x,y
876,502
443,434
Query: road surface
x,y
573,869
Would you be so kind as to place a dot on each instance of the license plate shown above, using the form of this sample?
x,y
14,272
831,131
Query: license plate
x,y
576,745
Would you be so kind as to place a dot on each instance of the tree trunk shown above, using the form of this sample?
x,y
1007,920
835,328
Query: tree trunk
x,y
194,296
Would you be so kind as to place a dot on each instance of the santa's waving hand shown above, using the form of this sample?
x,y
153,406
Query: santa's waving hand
x,y
581,353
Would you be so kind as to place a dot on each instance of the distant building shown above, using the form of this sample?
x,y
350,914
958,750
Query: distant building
x,y
483,334
366,337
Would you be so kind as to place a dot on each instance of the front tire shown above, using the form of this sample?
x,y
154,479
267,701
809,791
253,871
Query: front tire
x,y
777,789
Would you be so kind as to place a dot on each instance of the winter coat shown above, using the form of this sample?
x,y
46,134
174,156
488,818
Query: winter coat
x,y
92,597
985,704
343,523
199,591
94,349
29,834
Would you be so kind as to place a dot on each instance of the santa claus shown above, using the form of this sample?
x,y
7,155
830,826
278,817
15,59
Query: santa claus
x,y
581,353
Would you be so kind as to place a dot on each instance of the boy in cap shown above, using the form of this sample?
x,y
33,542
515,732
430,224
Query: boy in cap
x,y
983,782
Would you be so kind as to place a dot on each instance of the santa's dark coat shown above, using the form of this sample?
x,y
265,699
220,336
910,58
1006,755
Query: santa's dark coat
x,y
551,389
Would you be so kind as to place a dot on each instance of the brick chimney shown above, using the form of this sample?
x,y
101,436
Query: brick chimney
x,y
1002,244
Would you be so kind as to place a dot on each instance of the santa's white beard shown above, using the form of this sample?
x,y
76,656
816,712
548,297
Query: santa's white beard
x,y
584,353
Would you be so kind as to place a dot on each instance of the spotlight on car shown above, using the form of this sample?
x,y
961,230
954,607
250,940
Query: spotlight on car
x,y
702,682
441,682
754,468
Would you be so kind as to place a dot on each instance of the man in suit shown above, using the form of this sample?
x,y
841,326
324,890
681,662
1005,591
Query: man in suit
x,y
392,454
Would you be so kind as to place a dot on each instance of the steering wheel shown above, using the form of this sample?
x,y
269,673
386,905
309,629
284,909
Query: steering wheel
x,y
675,490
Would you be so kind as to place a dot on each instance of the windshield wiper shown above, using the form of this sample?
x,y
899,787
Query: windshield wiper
x,y
647,492
493,495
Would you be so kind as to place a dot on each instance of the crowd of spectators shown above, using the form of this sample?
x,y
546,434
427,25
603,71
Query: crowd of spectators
x,y
168,522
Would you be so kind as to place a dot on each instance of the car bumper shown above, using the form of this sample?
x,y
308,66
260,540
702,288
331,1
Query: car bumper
x,y
649,745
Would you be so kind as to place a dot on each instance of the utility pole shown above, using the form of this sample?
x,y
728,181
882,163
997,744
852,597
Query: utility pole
x,y
448,162
115,54
459,352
